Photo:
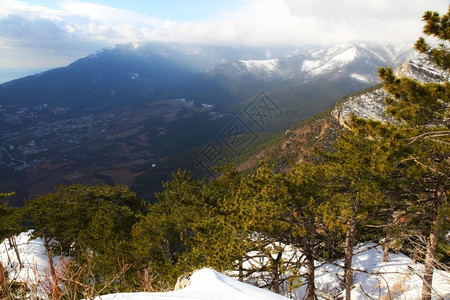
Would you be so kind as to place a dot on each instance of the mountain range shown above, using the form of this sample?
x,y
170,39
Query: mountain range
x,y
135,113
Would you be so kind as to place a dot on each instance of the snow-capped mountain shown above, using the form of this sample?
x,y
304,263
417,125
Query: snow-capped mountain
x,y
127,73
150,71
359,62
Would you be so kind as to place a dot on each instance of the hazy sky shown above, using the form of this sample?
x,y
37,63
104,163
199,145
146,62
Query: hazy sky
x,y
47,34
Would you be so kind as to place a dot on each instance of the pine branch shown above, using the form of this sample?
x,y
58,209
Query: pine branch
x,y
430,135
411,158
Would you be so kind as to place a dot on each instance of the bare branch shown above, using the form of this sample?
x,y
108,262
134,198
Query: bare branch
x,y
430,135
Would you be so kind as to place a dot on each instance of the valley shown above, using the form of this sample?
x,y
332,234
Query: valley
x,y
95,145
135,113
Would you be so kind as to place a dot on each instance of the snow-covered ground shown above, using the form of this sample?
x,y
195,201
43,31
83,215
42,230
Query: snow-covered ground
x,y
206,284
397,279
32,255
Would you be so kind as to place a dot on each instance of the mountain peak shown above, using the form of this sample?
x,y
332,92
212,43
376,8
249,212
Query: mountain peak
x,y
357,62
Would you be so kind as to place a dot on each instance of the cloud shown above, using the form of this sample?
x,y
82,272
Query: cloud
x,y
366,19
293,22
37,36
17,27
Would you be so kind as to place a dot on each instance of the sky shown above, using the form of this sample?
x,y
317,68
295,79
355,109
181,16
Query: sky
x,y
38,35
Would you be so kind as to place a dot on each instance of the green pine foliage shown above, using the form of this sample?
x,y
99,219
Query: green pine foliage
x,y
91,224
311,213
161,238
5,215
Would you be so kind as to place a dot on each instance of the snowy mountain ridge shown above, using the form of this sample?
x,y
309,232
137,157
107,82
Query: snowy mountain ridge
x,y
353,60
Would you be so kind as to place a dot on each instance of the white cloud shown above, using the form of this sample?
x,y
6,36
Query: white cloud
x,y
102,14
381,20
275,22
36,36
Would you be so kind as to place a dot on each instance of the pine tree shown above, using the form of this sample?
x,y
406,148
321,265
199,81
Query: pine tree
x,y
309,206
5,211
75,211
261,201
46,215
355,190
10,224
219,233
411,159
387,151
422,111
105,244
162,239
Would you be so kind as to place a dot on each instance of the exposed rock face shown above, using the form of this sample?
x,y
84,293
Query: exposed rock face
x,y
422,71
371,105
368,106
183,281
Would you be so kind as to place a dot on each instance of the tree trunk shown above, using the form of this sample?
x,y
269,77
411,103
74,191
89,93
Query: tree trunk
x,y
310,289
3,276
349,244
438,200
387,244
331,245
7,254
420,237
388,238
309,255
276,274
16,250
50,258
348,273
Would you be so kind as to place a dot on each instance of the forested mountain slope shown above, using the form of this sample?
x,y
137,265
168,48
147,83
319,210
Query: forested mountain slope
x,y
322,130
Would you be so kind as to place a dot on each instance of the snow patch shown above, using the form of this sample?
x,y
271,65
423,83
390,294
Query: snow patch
x,y
346,56
206,284
423,71
360,77
334,58
309,65
400,276
371,105
261,65
32,255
